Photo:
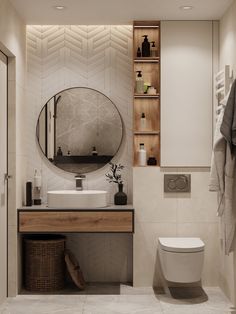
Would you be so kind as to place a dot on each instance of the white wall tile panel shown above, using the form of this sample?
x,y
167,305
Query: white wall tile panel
x,y
98,57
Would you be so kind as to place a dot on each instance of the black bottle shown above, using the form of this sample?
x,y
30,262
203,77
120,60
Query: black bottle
x,y
59,151
139,54
145,47
29,193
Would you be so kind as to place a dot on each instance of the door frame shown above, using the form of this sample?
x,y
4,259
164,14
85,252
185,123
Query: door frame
x,y
13,250
6,180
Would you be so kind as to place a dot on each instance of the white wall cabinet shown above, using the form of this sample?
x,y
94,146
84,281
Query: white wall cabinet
x,y
186,93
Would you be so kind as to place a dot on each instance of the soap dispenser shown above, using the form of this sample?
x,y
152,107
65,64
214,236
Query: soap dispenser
x,y
153,50
145,47
143,121
139,84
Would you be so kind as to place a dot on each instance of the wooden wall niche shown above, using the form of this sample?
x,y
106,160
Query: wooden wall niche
x,y
145,103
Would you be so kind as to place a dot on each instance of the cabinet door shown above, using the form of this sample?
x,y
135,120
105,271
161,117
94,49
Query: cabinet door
x,y
186,93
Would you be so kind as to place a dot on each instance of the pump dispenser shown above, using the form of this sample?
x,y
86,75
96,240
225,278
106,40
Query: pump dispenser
x,y
153,50
145,47
139,84
143,121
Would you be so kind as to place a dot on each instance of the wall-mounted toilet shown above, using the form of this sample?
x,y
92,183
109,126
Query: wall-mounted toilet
x,y
181,259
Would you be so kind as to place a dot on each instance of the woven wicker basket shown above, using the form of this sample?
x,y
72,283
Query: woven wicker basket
x,y
44,265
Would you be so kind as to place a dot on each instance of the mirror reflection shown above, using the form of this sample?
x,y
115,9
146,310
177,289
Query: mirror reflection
x,y
79,130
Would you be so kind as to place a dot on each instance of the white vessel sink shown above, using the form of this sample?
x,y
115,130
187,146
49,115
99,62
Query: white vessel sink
x,y
77,199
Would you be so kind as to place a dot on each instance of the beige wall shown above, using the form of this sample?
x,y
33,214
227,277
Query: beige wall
x,y
12,43
160,214
227,54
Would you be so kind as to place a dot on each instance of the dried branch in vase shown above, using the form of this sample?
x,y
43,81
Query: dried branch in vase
x,y
114,176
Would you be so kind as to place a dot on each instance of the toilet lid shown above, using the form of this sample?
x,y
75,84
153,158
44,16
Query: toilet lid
x,y
181,244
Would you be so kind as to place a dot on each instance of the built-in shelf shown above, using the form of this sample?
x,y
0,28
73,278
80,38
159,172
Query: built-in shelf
x,y
146,96
146,26
146,132
145,103
146,60
69,159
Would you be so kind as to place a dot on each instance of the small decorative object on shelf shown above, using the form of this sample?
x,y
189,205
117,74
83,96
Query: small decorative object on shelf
x,y
139,53
94,151
152,161
114,176
59,151
151,90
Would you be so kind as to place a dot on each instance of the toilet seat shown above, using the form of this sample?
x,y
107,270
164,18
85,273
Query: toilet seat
x,y
181,245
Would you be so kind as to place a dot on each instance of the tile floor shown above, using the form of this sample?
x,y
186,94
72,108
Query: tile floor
x,y
128,300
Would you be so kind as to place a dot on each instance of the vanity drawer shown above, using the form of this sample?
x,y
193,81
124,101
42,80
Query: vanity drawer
x,y
75,221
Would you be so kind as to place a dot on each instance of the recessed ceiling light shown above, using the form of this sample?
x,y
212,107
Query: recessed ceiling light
x,y
186,7
59,7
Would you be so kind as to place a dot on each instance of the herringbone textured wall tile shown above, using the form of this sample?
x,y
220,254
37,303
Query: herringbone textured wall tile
x,y
99,57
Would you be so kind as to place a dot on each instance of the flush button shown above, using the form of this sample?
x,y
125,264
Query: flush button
x,y
177,183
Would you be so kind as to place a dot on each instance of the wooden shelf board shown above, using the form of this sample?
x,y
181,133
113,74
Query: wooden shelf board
x,y
145,23
146,132
146,60
146,26
146,96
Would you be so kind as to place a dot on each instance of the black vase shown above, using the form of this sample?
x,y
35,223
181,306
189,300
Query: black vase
x,y
120,198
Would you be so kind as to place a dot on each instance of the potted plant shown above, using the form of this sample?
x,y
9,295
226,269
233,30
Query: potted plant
x,y
114,176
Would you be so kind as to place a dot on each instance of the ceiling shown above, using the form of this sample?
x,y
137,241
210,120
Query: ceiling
x,y
96,12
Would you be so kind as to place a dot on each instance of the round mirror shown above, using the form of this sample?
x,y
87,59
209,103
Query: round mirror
x,y
79,130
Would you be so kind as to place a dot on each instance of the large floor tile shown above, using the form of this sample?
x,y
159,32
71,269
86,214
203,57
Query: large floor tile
x,y
138,304
101,304
193,310
216,299
46,304
129,290
128,300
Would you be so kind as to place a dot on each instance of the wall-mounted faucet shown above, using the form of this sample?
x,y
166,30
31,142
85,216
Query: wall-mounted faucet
x,y
79,181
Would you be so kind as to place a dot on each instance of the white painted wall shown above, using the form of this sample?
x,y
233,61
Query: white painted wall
x,y
186,93
12,43
227,51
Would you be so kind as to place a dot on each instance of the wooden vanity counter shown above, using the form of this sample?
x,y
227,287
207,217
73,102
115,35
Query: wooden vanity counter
x,y
42,219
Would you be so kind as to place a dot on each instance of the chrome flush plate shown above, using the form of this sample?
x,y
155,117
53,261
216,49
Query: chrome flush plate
x,y
177,183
